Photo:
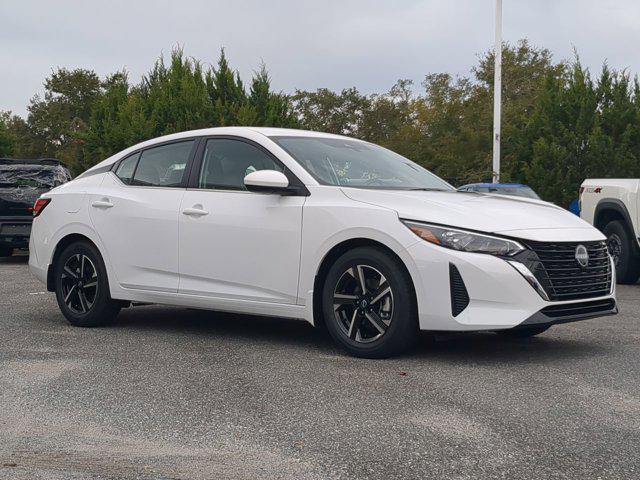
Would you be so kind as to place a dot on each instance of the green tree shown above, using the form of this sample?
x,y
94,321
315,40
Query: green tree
x,y
105,135
24,143
7,140
58,120
328,111
558,124
175,97
228,96
581,128
271,109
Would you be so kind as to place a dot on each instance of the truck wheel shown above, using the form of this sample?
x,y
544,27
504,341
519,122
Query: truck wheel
x,y
625,254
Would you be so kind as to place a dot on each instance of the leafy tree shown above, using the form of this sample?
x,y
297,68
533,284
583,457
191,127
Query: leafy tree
x,y
447,128
175,97
227,96
559,125
581,128
105,134
57,121
327,111
271,109
6,138
21,137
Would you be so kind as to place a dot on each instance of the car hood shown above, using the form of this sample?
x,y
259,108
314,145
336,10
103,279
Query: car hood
x,y
512,216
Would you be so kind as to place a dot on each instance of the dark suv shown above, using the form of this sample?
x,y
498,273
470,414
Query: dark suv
x,y
21,183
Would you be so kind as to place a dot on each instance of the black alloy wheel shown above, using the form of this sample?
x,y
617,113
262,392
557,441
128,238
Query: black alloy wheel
x,y
79,283
82,286
363,303
369,304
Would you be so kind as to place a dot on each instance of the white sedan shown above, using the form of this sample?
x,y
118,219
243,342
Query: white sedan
x,y
312,226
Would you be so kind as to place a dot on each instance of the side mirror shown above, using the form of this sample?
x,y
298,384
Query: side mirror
x,y
267,181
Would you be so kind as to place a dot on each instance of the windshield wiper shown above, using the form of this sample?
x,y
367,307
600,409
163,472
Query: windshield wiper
x,y
427,189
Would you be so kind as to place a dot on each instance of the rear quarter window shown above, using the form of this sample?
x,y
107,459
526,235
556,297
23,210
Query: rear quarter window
x,y
126,168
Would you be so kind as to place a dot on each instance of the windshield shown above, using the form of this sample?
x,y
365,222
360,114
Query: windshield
x,y
353,163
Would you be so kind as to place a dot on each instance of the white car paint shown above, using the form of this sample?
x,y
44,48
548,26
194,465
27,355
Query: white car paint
x,y
246,246
490,213
267,178
119,213
260,253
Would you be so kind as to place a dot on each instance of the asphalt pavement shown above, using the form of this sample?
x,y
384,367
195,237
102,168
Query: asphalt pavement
x,y
171,393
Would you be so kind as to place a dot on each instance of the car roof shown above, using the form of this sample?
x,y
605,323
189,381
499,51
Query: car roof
x,y
203,132
266,131
291,132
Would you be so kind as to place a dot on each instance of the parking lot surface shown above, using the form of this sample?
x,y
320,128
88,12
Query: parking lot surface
x,y
169,393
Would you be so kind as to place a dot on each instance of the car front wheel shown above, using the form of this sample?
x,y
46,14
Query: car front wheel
x,y
82,287
369,305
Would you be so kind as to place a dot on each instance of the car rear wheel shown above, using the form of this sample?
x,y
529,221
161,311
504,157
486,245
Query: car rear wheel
x,y
524,332
625,254
82,287
369,305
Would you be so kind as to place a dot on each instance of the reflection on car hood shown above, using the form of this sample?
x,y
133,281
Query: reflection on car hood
x,y
511,216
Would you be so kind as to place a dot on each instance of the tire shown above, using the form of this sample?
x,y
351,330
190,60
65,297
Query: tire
x,y
524,332
385,324
625,254
6,252
84,304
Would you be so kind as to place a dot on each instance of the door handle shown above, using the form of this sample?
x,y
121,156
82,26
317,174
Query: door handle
x,y
195,212
104,203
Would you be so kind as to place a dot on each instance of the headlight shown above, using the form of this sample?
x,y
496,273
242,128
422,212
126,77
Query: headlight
x,y
464,241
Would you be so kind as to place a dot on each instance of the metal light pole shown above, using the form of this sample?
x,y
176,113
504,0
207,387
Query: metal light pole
x,y
497,93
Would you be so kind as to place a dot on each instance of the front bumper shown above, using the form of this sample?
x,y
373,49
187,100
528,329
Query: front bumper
x,y
565,313
499,297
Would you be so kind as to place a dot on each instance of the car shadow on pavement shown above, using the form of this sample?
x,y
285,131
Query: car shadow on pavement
x,y
485,348
230,326
490,348
19,259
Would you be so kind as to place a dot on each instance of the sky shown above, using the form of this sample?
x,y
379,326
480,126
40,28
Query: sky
x,y
305,44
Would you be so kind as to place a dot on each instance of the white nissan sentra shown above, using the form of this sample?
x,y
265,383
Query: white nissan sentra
x,y
323,228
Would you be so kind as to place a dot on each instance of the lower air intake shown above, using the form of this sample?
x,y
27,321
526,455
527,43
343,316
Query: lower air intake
x,y
459,294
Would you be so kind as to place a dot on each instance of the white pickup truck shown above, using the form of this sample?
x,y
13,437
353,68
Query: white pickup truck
x,y
613,207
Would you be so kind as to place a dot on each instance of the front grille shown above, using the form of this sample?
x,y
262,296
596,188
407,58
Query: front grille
x,y
563,278
593,307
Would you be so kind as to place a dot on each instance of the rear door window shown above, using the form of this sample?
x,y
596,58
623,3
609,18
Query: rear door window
x,y
163,166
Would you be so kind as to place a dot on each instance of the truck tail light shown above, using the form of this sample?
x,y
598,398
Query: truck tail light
x,y
38,207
